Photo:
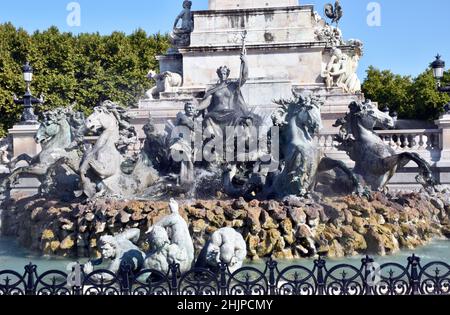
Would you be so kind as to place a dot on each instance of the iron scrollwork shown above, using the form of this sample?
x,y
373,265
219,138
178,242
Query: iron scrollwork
x,y
341,279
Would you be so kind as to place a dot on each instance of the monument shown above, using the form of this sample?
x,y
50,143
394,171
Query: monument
x,y
277,69
289,47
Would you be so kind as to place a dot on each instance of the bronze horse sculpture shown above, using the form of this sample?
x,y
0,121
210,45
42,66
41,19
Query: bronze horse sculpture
x,y
102,170
60,136
376,162
301,162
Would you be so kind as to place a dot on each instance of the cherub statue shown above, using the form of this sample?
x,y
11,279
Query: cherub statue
x,y
226,246
335,70
341,71
165,82
121,250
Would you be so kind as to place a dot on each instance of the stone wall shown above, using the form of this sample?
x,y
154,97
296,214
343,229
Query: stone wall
x,y
338,226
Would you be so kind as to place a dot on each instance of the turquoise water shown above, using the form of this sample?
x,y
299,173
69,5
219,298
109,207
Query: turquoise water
x,y
438,250
14,257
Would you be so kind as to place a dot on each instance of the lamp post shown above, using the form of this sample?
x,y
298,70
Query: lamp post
x,y
438,67
28,116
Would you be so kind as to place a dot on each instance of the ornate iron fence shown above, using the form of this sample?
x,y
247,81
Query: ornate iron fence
x,y
343,279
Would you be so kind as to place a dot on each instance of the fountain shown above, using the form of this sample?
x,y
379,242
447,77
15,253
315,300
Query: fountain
x,y
251,182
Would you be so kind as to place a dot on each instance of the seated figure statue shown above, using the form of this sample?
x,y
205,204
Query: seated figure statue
x,y
178,234
226,246
341,71
225,104
336,69
181,36
226,112
122,252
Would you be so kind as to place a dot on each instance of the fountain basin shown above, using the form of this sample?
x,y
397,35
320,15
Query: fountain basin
x,y
291,229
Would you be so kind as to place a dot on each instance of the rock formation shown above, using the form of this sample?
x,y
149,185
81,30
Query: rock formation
x,y
293,228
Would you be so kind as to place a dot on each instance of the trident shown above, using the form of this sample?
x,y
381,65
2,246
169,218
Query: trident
x,y
244,52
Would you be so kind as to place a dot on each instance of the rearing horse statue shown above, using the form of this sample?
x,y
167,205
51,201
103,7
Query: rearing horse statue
x,y
376,162
59,137
301,160
102,162
300,123
101,170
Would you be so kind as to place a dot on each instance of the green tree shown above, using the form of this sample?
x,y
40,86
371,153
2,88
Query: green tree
x,y
84,69
428,102
14,45
415,98
389,89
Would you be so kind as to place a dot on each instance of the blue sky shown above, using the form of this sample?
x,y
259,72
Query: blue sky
x,y
411,32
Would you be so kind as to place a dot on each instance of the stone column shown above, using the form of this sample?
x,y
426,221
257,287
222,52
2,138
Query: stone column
x,y
23,140
443,165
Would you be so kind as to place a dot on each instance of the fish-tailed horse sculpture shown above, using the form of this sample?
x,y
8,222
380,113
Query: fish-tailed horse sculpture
x,y
102,169
376,162
301,160
59,137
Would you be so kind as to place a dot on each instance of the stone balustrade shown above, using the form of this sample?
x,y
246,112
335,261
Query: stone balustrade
x,y
433,145
399,140
417,140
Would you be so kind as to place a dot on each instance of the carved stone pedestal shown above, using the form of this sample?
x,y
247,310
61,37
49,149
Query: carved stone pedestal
x,y
23,143
23,140
443,124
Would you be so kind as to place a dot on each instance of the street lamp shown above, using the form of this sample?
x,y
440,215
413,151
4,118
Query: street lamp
x,y
27,73
28,116
438,67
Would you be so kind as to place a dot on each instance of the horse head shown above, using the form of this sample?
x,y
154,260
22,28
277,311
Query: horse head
x,y
55,125
304,111
101,119
369,116
310,118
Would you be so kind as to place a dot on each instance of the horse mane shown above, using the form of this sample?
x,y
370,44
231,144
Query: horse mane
x,y
75,119
302,101
127,131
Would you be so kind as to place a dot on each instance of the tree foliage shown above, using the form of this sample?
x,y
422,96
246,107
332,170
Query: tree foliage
x,y
83,69
87,69
412,98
